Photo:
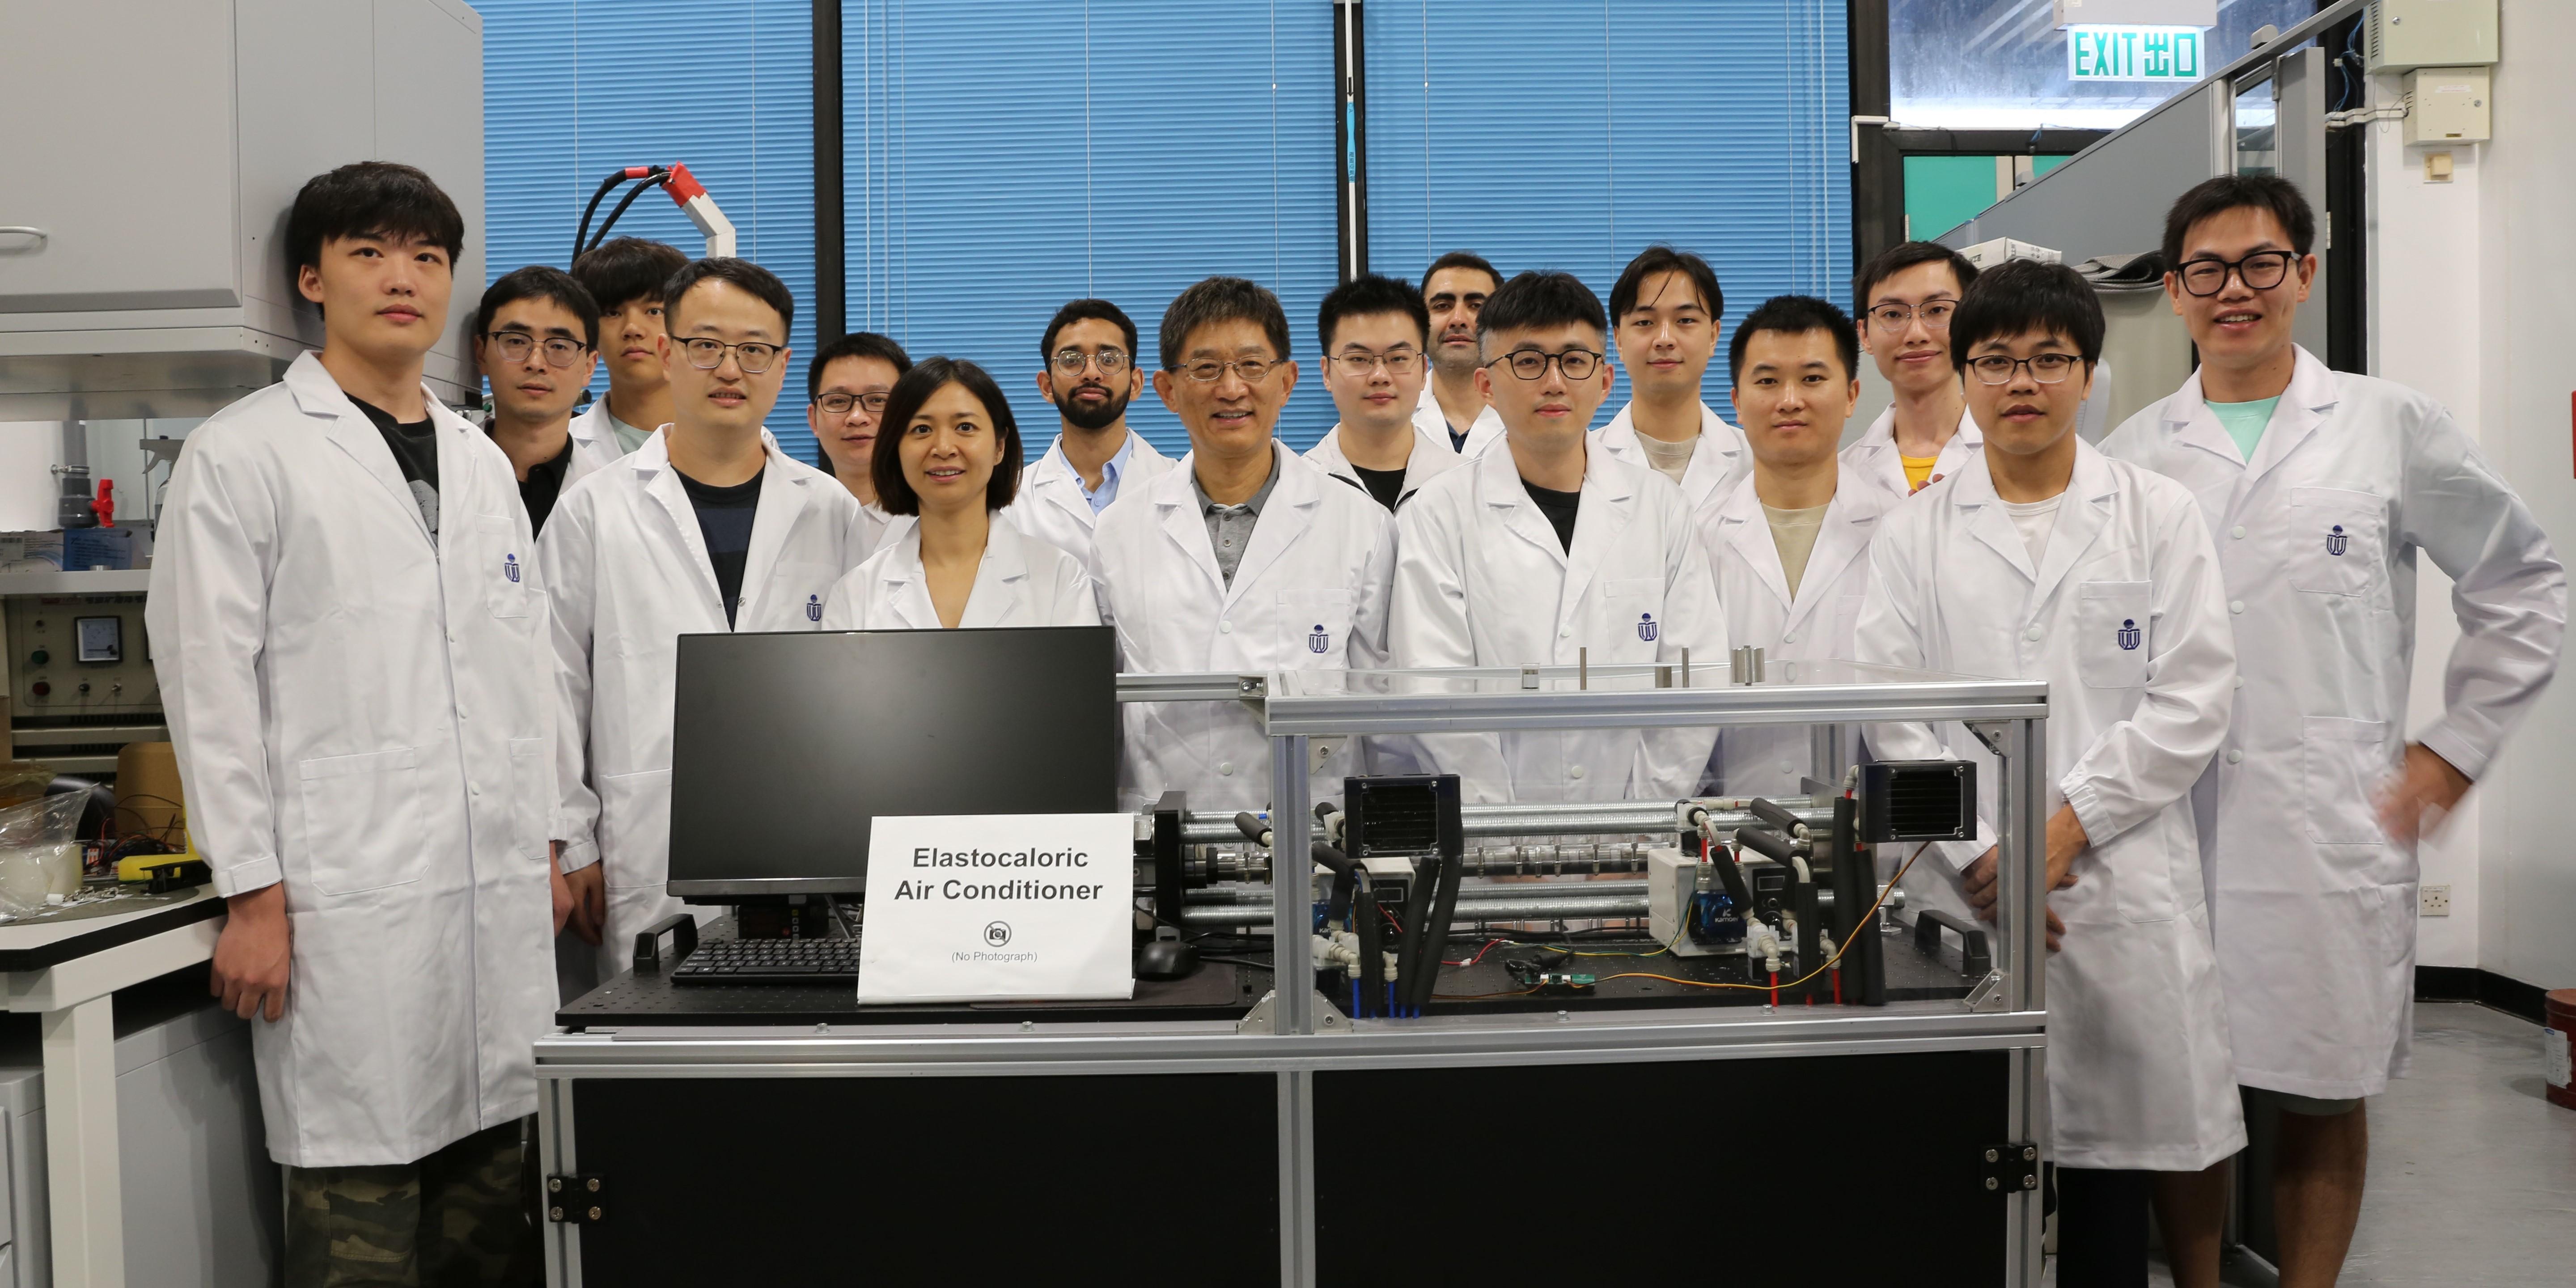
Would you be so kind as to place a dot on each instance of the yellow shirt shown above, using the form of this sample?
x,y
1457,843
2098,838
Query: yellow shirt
x,y
1918,470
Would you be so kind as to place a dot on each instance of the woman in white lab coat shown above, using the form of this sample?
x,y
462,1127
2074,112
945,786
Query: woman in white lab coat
x,y
950,454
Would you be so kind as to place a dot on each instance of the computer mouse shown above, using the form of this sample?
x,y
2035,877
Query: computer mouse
x,y
1166,959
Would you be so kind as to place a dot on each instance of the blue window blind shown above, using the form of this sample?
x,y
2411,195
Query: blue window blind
x,y
1559,134
1003,159
573,89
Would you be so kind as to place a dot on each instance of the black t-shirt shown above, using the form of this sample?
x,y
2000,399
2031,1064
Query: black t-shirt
x,y
1559,508
724,520
415,449
544,483
1386,485
1457,441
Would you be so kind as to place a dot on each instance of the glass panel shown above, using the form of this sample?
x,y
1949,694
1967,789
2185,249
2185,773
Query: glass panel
x,y
2004,64
1625,678
2256,153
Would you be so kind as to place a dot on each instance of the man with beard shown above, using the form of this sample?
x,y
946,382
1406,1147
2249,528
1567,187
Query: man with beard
x,y
1089,372
1453,292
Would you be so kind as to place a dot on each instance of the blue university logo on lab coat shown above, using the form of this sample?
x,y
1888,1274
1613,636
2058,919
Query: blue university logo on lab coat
x,y
1646,627
2336,540
813,608
1318,641
510,566
2130,635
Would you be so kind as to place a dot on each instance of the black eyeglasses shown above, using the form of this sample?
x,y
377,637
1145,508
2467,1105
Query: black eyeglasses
x,y
840,404
1530,364
2046,368
1893,317
515,346
707,355
2261,271
1071,361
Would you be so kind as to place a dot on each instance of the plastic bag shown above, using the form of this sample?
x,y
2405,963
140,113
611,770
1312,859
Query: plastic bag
x,y
40,850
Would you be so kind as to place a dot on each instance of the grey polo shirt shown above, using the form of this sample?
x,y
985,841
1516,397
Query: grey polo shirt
x,y
1230,526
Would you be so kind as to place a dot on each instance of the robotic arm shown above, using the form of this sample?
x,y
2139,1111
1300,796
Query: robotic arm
x,y
686,193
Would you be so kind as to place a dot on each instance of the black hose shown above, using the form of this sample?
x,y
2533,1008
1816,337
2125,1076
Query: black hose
x,y
1436,935
1780,819
1372,992
582,235
650,181
1417,912
1252,827
1765,842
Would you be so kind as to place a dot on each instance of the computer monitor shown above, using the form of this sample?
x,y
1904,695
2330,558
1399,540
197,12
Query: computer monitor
x,y
785,746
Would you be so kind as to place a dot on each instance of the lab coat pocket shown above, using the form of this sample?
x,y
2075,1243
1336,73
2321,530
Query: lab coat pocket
x,y
2111,627
803,588
1635,609
509,588
362,820
635,828
1314,629
2337,539
2346,762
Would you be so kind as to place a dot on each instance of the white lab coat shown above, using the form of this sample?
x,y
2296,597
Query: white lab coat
x,y
1430,459
629,575
2318,537
1485,432
1718,460
1818,625
594,443
1481,580
1310,594
1875,461
1051,507
2125,619
1021,581
359,712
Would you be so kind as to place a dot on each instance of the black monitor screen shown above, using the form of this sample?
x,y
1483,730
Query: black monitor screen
x,y
784,746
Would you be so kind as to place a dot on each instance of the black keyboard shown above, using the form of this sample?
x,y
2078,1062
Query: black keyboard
x,y
770,961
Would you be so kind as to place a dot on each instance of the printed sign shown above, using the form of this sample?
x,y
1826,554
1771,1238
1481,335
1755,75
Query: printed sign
x,y
994,907
2172,55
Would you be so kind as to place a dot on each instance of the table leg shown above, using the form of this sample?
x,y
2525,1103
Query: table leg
x,y
81,1164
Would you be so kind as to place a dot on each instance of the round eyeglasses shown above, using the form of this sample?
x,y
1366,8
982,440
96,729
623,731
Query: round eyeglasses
x,y
1072,361
515,346
1530,364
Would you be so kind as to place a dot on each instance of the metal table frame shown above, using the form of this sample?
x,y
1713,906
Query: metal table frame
x,y
1306,1036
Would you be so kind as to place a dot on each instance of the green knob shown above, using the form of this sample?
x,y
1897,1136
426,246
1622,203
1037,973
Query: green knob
x,y
40,657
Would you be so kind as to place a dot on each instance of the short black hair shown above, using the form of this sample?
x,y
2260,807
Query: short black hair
x,y
2023,296
1085,310
619,272
539,282
1222,299
1660,258
2229,192
885,463
1462,259
1368,295
740,272
371,199
1537,299
857,344
1796,315
1902,256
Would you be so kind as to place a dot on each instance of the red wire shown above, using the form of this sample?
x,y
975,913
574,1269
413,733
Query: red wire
x,y
1775,988
1838,988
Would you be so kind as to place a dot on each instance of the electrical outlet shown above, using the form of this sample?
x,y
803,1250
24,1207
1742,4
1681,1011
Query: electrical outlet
x,y
2437,901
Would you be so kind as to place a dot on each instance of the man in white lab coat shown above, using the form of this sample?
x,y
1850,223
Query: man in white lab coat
x,y
706,528
1547,546
1454,290
1907,295
626,277
350,630
846,388
1374,332
2044,560
1088,370
1665,307
1243,558
2321,488
1790,543
536,338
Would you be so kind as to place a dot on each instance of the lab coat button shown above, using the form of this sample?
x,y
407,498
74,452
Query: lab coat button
x,y
1787,768
1575,772
2235,756
1225,767
2237,532
1565,634
2240,681
2236,605
2031,634
1225,628
1790,638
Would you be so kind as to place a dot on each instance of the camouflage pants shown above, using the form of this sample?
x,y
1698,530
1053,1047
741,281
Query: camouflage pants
x,y
464,1215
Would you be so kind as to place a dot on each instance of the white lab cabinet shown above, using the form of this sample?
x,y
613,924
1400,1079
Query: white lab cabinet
x,y
202,1201
154,149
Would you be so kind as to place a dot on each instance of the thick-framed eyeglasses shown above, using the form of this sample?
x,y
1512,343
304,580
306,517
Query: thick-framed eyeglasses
x,y
1530,364
1894,317
1071,361
515,346
1398,362
2260,271
2046,368
1253,370
840,404
707,355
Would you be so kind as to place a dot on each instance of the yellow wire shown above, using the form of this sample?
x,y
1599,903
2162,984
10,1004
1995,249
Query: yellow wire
x,y
1829,962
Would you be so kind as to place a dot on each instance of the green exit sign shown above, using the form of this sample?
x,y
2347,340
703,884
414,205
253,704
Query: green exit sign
x,y
2173,55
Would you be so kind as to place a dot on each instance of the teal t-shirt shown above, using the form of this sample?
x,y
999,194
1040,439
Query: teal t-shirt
x,y
2245,421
